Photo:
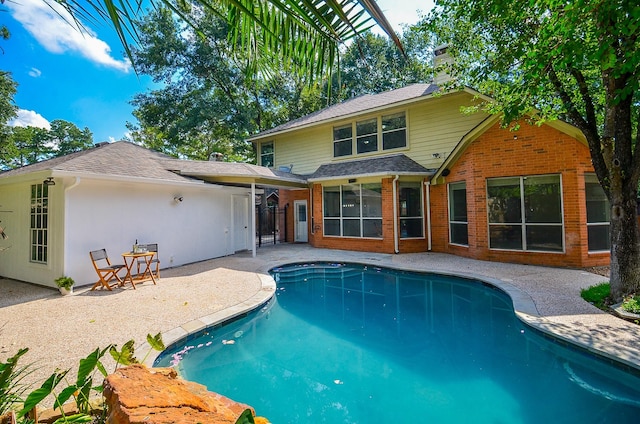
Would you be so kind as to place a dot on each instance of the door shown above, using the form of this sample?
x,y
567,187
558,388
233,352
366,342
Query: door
x,y
300,221
240,223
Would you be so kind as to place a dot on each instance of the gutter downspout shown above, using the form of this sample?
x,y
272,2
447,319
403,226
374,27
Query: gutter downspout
x,y
252,203
395,216
427,185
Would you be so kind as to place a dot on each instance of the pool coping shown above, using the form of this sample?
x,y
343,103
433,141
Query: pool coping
x,y
523,304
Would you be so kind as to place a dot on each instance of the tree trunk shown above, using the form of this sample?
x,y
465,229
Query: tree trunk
x,y
625,248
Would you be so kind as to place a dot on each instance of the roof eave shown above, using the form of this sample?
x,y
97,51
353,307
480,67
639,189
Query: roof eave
x,y
371,175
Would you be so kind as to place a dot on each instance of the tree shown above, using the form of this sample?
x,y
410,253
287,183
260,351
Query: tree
x,y
578,61
65,137
209,101
8,109
304,34
373,64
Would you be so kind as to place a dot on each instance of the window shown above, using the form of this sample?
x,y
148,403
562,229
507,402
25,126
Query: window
x,y
525,213
394,131
342,141
458,224
266,154
353,210
39,222
410,197
598,215
367,136
390,131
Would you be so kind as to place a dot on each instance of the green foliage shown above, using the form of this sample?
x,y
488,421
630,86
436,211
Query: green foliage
x,y
26,145
632,304
246,417
81,390
597,295
64,282
11,387
542,60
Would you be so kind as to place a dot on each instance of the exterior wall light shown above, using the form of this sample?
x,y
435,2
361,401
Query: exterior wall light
x,y
49,182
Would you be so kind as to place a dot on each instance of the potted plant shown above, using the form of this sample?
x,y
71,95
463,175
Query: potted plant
x,y
65,285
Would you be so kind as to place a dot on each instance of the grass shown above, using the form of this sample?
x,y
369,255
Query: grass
x,y
597,295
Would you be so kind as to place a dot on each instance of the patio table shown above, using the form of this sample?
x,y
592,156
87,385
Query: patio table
x,y
130,258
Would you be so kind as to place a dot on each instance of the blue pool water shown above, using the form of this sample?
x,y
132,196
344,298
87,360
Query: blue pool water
x,y
346,343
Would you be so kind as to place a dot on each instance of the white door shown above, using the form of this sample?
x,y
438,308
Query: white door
x,y
240,223
301,228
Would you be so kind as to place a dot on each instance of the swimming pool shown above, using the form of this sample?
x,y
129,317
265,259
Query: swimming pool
x,y
348,343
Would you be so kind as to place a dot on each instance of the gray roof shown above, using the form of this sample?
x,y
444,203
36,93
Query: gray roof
x,y
397,164
356,105
124,159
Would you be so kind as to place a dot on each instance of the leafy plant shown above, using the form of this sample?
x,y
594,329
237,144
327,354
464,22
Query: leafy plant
x,y
597,295
65,282
11,387
632,304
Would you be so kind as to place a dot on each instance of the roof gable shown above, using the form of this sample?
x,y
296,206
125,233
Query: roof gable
x,y
354,106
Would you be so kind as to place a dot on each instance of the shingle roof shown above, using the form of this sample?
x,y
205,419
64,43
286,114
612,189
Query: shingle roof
x,y
387,165
124,159
354,106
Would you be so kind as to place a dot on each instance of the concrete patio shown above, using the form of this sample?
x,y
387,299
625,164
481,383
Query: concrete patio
x,y
59,331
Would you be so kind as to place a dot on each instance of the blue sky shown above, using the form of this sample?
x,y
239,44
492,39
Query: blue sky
x,y
85,78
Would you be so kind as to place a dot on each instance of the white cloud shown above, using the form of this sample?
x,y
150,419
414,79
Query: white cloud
x,y
29,118
56,31
35,72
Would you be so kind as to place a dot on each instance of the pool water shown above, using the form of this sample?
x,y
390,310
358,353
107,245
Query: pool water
x,y
347,343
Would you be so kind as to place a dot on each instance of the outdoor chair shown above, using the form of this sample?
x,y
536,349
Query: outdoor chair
x,y
105,270
152,247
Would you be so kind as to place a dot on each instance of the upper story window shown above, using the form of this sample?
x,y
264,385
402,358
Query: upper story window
x,y
384,132
394,131
342,141
367,135
39,223
267,157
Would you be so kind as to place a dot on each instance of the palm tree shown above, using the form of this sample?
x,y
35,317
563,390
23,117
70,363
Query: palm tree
x,y
305,33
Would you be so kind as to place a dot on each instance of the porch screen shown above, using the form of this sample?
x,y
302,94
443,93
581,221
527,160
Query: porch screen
x,y
598,215
353,210
410,197
525,213
39,223
458,225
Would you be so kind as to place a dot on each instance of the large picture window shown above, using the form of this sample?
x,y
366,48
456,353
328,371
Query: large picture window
x,y
353,210
39,223
388,131
267,154
525,213
458,224
598,215
411,221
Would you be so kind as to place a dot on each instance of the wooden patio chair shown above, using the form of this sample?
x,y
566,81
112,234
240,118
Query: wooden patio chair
x,y
151,247
105,270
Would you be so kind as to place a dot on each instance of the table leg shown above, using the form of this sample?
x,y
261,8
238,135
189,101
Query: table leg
x,y
129,276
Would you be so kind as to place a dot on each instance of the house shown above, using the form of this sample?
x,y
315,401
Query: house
x,y
407,171
54,212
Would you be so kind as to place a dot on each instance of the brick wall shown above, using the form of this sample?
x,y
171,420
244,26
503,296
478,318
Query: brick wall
x,y
536,151
287,197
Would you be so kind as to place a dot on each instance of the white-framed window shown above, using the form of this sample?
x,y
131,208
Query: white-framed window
x,y
598,215
525,213
39,226
342,141
410,208
385,132
458,221
267,156
352,210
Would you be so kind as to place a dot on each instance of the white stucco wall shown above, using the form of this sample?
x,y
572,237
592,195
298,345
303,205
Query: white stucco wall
x,y
88,214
